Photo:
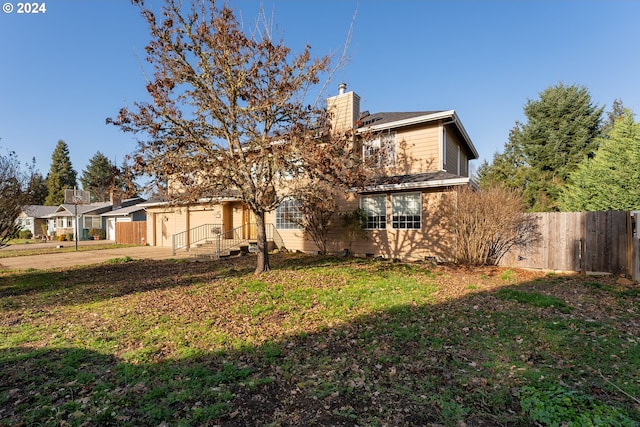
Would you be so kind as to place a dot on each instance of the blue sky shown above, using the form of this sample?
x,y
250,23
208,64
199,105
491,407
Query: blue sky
x,y
63,72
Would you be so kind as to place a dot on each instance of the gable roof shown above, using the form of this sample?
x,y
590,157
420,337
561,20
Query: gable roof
x,y
124,211
38,211
391,120
68,209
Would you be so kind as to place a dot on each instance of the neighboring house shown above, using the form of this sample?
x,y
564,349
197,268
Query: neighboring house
x,y
34,218
63,220
94,215
424,155
132,213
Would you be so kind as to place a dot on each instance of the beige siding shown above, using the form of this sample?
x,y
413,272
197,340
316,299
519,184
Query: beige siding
x,y
417,150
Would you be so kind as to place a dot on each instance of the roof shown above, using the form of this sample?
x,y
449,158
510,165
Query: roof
x,y
124,211
39,211
390,117
416,182
95,208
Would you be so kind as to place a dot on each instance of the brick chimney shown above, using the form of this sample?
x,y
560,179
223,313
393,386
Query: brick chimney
x,y
344,108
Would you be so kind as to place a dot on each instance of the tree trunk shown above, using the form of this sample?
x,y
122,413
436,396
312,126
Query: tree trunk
x,y
262,263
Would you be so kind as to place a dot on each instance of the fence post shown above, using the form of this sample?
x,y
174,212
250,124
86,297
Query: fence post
x,y
583,256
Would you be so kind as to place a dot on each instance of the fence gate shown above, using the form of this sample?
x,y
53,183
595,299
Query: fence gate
x,y
131,233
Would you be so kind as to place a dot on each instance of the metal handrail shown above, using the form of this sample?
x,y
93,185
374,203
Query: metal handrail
x,y
223,239
195,235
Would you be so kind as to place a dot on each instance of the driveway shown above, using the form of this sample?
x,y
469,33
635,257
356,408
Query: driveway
x,y
85,257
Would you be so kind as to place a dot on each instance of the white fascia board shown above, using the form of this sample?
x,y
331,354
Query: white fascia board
x,y
408,122
417,185
449,114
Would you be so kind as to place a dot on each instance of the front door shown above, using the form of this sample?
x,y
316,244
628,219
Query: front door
x,y
249,230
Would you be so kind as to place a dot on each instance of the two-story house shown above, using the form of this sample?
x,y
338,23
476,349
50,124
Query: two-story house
x,y
423,156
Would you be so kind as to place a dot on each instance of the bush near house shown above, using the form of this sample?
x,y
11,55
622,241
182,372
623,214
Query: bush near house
x,y
25,234
98,233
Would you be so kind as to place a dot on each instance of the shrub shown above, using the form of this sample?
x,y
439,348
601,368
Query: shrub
x,y
488,223
70,236
62,237
25,234
97,232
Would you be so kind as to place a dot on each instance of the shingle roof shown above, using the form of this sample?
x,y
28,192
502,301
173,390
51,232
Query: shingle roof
x,y
388,117
415,181
39,211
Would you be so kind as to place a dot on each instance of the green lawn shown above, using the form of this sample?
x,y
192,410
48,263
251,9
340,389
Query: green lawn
x,y
317,341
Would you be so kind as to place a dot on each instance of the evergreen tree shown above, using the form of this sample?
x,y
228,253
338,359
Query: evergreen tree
x,y
561,129
61,175
37,189
99,177
609,180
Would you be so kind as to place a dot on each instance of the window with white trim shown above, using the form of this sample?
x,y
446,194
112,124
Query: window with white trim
x,y
380,151
375,207
92,221
288,215
406,211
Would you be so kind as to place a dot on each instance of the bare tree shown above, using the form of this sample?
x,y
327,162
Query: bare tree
x,y
317,205
13,196
230,110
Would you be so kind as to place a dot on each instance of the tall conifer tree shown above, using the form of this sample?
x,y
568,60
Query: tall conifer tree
x,y
608,181
99,177
561,129
61,175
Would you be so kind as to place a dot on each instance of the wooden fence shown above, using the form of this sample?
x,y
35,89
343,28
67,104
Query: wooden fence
x,y
131,233
587,242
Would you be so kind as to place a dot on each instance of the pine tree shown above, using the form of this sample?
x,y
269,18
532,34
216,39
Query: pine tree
x,y
608,181
99,177
561,129
61,175
37,189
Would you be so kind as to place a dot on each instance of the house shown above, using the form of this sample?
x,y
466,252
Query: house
x,y
34,218
54,221
424,155
131,213
63,220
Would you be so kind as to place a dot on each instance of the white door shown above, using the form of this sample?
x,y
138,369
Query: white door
x,y
111,229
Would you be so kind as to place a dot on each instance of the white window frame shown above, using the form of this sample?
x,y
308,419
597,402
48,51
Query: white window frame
x,y
90,221
401,216
382,149
288,215
376,212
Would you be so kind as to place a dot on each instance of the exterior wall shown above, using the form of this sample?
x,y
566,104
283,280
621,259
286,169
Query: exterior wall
x,y
456,160
163,223
417,150
435,238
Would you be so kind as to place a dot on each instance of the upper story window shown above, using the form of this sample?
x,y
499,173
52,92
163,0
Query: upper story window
x,y
288,215
406,211
375,208
380,151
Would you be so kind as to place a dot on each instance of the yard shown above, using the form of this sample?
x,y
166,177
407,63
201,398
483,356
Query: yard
x,y
317,341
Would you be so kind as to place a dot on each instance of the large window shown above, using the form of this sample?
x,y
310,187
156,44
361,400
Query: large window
x,y
375,207
288,215
92,221
406,211
380,151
